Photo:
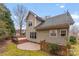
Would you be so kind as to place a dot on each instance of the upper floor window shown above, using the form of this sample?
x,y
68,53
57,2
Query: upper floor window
x,y
63,32
29,23
52,33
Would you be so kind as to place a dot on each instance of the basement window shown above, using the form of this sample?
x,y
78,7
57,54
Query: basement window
x,y
33,35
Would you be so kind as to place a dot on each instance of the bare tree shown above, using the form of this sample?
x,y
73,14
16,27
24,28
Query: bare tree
x,y
20,14
74,30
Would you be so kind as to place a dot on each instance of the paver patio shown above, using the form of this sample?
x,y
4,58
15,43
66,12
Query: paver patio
x,y
28,46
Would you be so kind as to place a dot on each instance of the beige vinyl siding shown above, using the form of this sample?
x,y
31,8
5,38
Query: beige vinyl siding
x,y
31,28
58,39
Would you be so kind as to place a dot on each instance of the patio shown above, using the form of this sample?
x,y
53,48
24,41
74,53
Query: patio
x,y
28,46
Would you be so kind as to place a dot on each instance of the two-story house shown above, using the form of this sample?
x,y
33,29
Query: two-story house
x,y
51,29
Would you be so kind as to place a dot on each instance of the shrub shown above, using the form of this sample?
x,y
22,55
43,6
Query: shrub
x,y
54,49
68,46
2,35
72,39
24,34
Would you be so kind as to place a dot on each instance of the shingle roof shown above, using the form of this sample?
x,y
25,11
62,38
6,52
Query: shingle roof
x,y
57,20
37,17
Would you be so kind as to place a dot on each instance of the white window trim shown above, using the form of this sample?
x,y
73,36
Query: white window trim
x,y
31,36
63,29
51,31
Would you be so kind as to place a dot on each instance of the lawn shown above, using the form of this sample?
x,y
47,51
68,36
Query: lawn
x,y
11,50
76,49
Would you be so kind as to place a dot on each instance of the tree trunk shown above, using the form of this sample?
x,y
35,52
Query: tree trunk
x,y
20,29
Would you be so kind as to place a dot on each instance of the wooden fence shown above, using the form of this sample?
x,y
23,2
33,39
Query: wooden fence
x,y
44,46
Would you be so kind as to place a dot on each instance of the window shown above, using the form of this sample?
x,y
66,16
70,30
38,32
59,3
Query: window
x,y
63,32
52,33
30,23
33,35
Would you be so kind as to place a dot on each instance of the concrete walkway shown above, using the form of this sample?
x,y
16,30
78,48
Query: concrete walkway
x,y
28,46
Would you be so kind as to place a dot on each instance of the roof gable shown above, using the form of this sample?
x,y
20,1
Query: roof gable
x,y
57,20
36,16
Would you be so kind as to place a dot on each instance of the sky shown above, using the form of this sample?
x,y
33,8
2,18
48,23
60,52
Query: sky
x,y
48,9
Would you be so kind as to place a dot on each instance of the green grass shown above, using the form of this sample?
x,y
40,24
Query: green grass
x,y
11,50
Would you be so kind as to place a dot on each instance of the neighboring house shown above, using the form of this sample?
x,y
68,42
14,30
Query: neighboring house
x,y
52,29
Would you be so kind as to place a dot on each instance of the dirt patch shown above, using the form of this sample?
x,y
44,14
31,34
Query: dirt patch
x,y
3,45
